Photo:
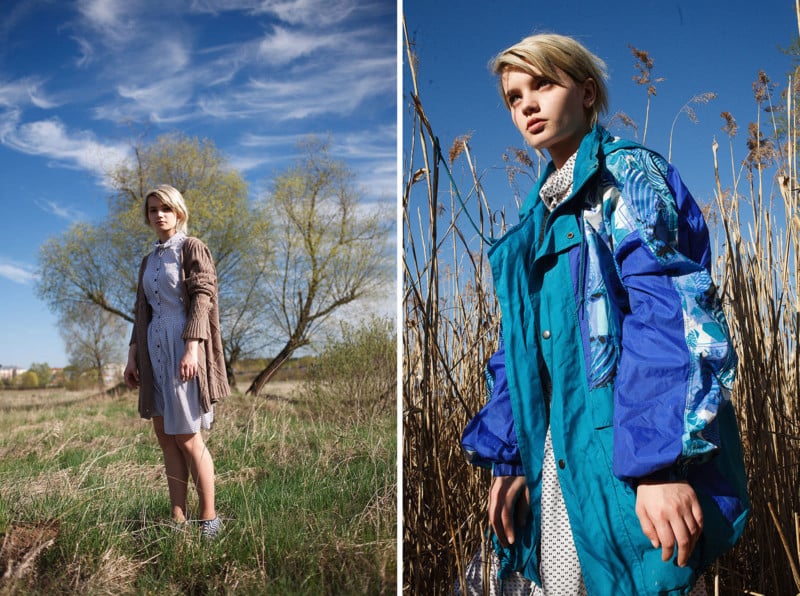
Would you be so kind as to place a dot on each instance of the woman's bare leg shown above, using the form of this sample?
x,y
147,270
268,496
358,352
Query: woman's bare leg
x,y
201,466
176,468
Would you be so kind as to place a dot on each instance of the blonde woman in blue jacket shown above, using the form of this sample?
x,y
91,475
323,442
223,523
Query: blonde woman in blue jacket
x,y
617,465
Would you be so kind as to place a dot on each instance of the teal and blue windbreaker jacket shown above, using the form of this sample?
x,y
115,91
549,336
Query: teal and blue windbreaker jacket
x,y
614,336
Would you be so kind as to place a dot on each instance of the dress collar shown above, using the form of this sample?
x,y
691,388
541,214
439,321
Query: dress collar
x,y
174,240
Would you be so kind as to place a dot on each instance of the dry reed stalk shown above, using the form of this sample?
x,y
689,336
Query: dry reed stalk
x,y
760,293
450,329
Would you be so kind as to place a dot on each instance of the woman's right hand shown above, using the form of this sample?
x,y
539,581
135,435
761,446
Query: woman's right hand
x,y
131,375
506,507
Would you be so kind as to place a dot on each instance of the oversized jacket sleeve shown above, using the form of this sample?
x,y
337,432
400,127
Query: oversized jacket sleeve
x,y
677,364
489,438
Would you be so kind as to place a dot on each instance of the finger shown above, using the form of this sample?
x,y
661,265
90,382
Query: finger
x,y
498,513
697,512
685,543
694,529
494,516
649,529
523,507
507,519
666,538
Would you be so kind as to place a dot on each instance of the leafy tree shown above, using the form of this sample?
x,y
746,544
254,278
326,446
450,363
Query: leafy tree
x,y
44,373
329,250
99,263
28,380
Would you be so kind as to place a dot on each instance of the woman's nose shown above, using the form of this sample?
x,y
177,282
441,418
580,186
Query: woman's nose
x,y
529,105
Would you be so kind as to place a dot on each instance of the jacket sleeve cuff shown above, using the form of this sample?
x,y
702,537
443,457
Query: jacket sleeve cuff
x,y
675,473
507,470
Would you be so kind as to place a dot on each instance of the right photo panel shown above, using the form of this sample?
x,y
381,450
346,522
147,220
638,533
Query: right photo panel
x,y
600,339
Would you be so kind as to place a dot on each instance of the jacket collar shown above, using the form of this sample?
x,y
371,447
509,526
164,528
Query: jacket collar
x,y
597,143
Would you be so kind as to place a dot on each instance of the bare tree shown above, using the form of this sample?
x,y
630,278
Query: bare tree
x,y
329,250
94,338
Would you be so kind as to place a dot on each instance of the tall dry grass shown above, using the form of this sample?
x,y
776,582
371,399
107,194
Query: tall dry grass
x,y
760,232
451,327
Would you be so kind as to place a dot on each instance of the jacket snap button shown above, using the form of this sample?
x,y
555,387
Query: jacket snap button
x,y
570,235
562,464
546,334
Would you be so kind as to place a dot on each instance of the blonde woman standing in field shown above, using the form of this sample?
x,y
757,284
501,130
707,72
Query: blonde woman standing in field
x,y
615,452
175,356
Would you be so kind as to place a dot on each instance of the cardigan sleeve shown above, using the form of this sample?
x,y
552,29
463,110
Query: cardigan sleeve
x,y
140,306
201,287
677,363
489,439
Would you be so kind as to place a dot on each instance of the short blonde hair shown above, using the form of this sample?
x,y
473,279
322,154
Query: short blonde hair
x,y
546,52
172,198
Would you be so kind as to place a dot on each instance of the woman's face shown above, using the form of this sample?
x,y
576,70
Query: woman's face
x,y
551,115
162,218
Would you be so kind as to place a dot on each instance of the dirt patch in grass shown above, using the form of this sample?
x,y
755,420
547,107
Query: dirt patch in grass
x,y
22,546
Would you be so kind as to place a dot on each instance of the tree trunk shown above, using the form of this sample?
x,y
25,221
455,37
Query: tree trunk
x,y
274,365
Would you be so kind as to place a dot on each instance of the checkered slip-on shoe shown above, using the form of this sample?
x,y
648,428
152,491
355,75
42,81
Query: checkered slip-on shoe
x,y
210,528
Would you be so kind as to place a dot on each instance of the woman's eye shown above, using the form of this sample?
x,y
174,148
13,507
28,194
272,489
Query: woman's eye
x,y
512,99
543,83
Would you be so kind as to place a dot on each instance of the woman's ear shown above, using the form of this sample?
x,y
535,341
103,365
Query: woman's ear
x,y
589,92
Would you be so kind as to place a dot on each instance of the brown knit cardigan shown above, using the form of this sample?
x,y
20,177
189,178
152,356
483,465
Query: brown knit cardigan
x,y
202,323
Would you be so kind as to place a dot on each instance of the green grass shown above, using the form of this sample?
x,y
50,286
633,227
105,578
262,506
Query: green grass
x,y
308,504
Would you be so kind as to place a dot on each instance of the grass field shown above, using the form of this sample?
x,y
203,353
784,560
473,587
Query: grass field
x,y
309,505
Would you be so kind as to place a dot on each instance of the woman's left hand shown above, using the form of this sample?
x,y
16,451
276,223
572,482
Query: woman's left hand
x,y
671,517
188,366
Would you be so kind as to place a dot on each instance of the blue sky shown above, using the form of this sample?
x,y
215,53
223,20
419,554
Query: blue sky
x,y
697,46
81,79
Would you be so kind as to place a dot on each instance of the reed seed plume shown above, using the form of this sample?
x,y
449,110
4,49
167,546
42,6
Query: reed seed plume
x,y
457,148
644,65
730,128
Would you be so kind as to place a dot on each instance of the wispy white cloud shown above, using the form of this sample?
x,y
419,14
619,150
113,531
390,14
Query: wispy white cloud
x,y
284,45
160,77
17,272
113,20
24,92
370,154
50,138
320,13
246,163
380,144
148,70
250,139
162,100
62,211
340,89
86,50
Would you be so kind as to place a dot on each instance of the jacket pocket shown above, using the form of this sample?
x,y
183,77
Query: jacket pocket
x,y
601,400
522,556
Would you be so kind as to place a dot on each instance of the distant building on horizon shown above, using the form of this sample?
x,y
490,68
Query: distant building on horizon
x,y
9,372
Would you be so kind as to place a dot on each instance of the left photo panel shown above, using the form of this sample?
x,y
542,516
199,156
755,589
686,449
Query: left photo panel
x,y
198,364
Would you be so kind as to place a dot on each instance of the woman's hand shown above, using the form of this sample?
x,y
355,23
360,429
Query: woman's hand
x,y
670,516
188,367
506,506
131,374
